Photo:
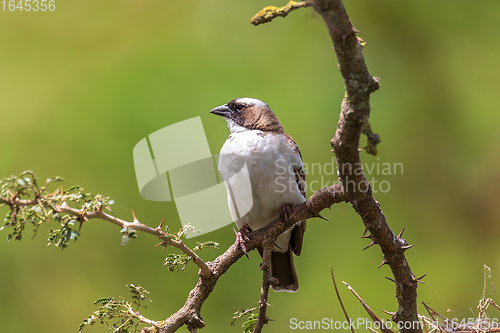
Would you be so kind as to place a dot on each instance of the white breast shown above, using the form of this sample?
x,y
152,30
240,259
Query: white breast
x,y
271,161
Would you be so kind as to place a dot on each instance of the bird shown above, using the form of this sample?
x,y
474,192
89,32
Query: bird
x,y
277,179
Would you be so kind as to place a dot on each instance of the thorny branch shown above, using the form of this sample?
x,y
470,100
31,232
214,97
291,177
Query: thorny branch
x,y
353,122
189,314
100,214
210,272
267,246
370,312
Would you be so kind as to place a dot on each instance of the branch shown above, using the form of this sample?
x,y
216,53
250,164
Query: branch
x,y
340,300
189,314
83,215
136,225
370,312
269,13
267,246
355,111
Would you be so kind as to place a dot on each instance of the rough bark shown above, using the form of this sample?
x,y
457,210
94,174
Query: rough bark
x,y
353,122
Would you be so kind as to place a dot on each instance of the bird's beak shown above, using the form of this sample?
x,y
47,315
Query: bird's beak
x,y
222,110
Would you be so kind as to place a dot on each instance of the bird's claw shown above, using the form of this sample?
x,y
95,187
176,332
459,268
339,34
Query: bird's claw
x,y
285,212
241,238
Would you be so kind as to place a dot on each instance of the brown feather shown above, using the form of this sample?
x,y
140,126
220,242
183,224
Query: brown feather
x,y
283,269
261,118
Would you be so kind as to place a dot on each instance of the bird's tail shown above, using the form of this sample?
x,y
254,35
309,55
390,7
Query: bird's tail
x,y
283,269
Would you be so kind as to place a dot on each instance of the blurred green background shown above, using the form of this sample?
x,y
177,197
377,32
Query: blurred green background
x,y
80,86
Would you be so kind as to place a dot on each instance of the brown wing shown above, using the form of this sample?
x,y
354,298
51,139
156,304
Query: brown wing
x,y
299,229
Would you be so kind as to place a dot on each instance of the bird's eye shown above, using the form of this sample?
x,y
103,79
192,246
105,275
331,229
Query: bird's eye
x,y
239,107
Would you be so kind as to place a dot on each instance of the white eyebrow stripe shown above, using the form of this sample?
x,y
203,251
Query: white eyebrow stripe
x,y
251,101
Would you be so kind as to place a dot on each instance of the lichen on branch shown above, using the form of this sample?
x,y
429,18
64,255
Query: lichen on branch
x,y
267,14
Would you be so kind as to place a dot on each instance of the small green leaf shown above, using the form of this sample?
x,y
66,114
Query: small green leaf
x,y
115,313
176,262
128,234
209,244
249,324
103,300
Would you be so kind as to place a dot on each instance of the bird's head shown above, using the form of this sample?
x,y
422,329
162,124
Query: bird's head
x,y
247,113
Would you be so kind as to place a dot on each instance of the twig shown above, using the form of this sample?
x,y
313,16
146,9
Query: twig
x,y
136,225
370,312
238,314
430,323
494,304
267,246
487,275
432,312
141,318
269,13
99,214
340,301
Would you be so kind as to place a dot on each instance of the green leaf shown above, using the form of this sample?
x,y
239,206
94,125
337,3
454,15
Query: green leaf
x,y
176,262
209,244
104,300
128,234
249,324
115,313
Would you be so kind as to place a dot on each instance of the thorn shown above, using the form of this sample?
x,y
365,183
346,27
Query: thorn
x,y
366,230
388,278
384,262
322,217
406,247
83,215
161,225
419,280
58,209
369,245
367,236
261,303
401,233
389,313
164,246
135,218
